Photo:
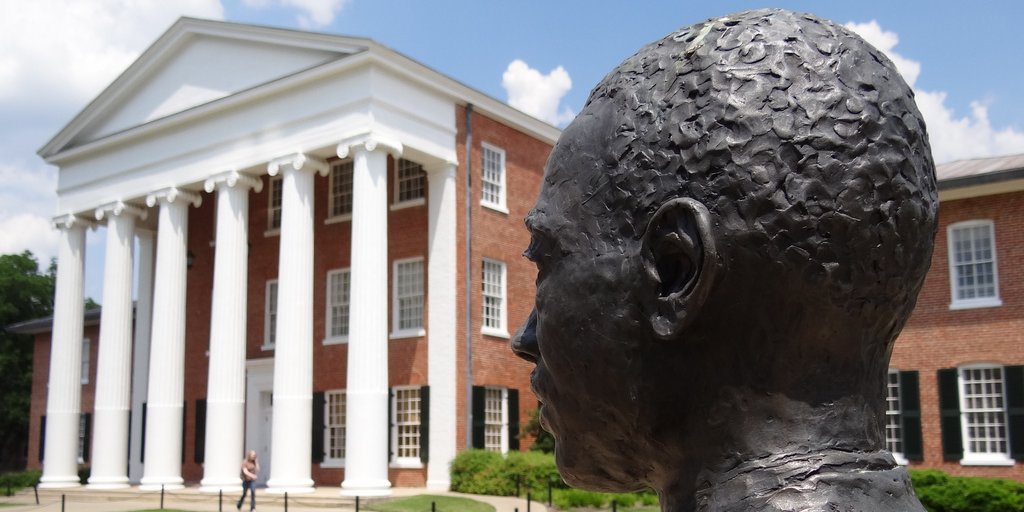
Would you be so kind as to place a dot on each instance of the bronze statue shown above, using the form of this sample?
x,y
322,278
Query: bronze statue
x,y
729,238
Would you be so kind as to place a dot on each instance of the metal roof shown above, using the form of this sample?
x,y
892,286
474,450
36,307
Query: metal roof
x,y
977,171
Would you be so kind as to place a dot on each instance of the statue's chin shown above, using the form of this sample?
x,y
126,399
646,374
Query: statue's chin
x,y
589,473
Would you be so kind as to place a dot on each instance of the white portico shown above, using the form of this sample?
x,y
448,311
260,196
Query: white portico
x,y
211,112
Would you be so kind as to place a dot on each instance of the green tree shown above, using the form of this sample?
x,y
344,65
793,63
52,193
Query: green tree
x,y
543,441
25,294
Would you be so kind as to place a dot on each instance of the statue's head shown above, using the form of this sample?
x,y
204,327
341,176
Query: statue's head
x,y
743,209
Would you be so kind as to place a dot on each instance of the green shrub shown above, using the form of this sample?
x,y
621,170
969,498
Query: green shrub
x,y
18,480
572,498
481,472
940,492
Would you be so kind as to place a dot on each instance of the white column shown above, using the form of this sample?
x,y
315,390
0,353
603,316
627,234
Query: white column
x,y
291,440
166,390
225,395
366,435
140,356
113,371
441,318
64,391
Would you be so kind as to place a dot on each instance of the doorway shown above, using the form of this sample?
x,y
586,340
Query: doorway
x,y
259,413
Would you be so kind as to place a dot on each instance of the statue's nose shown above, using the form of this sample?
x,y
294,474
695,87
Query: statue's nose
x,y
524,343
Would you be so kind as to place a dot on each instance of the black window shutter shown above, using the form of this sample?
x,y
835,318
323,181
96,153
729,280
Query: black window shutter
x,y
200,441
391,423
424,424
142,443
184,423
949,415
88,437
318,427
479,420
42,436
1014,376
513,419
910,400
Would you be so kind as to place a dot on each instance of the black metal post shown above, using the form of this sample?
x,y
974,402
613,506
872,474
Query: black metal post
x,y
433,506
615,505
36,489
161,497
61,503
549,492
220,500
528,499
286,502
357,503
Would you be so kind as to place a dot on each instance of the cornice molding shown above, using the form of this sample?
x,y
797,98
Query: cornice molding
x,y
118,208
299,162
370,140
172,194
71,220
232,179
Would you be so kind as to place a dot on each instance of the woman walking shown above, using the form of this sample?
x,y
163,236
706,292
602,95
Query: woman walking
x,y
250,470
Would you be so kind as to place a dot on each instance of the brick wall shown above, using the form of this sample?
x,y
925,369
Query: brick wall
x,y
937,337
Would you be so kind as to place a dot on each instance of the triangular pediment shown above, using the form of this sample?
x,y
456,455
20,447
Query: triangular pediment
x,y
194,63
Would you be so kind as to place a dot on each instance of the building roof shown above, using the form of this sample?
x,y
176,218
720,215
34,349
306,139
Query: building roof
x,y
45,324
980,176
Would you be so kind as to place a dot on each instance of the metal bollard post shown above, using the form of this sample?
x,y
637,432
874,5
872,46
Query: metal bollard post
x,y
161,497
528,499
549,493
285,502
433,506
220,500
357,503
615,505
61,503
36,489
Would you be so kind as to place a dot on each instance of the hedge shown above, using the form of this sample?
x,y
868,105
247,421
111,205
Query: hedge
x,y
940,492
19,480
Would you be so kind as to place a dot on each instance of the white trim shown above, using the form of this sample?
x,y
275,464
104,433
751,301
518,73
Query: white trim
x,y
980,302
328,338
396,332
502,330
329,462
504,417
408,204
405,462
274,183
396,188
982,459
501,204
267,344
337,219
331,217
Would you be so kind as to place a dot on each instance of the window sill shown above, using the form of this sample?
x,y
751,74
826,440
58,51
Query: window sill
x,y
267,347
496,207
272,232
994,302
333,464
412,203
338,218
986,460
900,459
338,340
487,331
408,333
406,464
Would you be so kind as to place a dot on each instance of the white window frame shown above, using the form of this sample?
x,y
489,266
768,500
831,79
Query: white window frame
x,y
331,216
502,330
500,204
971,458
397,203
894,415
330,339
329,461
980,302
269,331
83,427
503,397
412,332
396,460
274,182
86,360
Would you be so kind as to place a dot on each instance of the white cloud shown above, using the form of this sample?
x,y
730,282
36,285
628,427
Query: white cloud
x,y
314,13
536,94
952,137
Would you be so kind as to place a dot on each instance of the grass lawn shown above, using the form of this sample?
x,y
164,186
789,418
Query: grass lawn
x,y
422,504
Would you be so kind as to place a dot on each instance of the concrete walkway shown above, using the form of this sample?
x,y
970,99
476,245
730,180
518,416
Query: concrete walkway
x,y
126,500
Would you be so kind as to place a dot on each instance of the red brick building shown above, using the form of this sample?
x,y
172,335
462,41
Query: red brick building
x,y
956,388
326,231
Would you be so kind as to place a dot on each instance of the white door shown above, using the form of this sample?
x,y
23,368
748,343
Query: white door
x,y
266,424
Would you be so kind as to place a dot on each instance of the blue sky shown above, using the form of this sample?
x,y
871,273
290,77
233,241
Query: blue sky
x,y
963,60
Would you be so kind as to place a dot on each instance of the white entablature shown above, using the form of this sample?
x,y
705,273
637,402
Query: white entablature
x,y
182,112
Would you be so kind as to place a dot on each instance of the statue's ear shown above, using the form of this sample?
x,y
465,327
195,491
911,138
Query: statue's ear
x,y
680,257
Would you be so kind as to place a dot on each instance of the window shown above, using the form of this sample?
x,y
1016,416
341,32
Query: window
x,y
893,422
339,202
410,182
274,210
86,355
405,434
83,437
496,420
270,326
983,414
407,316
492,194
494,298
338,286
972,265
334,428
